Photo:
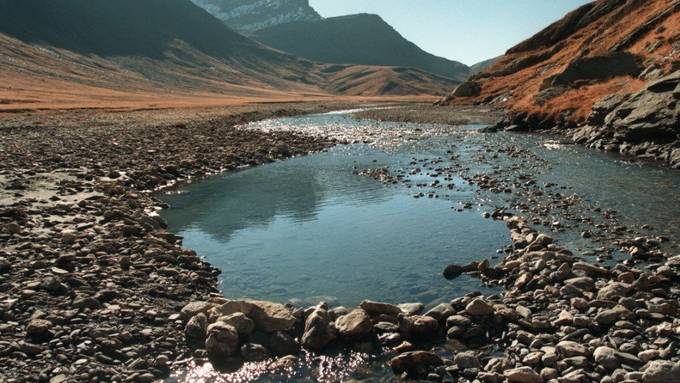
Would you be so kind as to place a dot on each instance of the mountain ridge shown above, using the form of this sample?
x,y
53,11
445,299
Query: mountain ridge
x,y
362,39
170,47
248,16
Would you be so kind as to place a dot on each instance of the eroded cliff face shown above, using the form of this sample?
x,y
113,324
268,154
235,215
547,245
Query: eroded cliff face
x,y
608,70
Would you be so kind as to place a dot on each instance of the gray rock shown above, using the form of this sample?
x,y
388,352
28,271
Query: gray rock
x,y
194,308
523,375
606,357
465,360
479,307
196,328
271,317
661,372
318,333
356,324
378,308
243,324
222,341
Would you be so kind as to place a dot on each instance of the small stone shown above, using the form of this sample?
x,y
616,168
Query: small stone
x,y
465,360
606,357
523,375
570,349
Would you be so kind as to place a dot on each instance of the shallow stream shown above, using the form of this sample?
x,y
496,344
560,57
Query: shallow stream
x,y
317,228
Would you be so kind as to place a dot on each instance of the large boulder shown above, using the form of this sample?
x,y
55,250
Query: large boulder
x,y
356,324
268,316
222,341
379,308
318,333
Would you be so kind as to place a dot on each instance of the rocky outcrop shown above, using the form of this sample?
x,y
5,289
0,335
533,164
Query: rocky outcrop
x,y
595,70
645,124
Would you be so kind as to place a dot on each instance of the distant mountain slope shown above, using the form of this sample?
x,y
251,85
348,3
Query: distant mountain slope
x,y
248,16
482,65
357,39
120,27
160,47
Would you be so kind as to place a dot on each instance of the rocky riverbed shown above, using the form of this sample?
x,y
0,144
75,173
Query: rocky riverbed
x,y
608,313
91,284
93,288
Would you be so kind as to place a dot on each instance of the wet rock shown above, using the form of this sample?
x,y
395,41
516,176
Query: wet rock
x,y
318,333
523,375
419,325
271,317
251,352
411,308
222,341
281,343
378,308
196,328
356,324
441,311
479,307
242,324
416,363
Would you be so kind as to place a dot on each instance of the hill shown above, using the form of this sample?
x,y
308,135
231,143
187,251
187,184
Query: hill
x,y
70,52
248,16
362,39
608,71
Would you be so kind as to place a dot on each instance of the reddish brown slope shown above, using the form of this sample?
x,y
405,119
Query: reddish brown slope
x,y
609,70
649,29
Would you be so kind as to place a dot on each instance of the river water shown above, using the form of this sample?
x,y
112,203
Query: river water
x,y
317,228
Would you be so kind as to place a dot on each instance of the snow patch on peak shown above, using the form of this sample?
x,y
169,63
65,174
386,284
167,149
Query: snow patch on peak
x,y
248,16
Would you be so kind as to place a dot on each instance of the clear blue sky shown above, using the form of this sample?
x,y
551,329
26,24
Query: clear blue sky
x,y
468,31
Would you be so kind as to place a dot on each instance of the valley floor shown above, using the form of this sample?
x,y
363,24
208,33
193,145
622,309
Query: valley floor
x,y
94,289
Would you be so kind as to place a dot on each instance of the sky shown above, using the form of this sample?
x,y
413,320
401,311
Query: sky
x,y
468,31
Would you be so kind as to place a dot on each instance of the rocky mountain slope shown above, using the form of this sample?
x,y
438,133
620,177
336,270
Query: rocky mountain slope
x,y
356,39
608,71
95,51
248,16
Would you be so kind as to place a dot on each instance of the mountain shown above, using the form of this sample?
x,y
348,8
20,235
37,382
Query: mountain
x,y
362,39
608,74
248,16
482,65
69,52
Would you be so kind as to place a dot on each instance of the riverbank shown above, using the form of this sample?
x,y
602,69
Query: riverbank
x,y
564,315
94,289
90,282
